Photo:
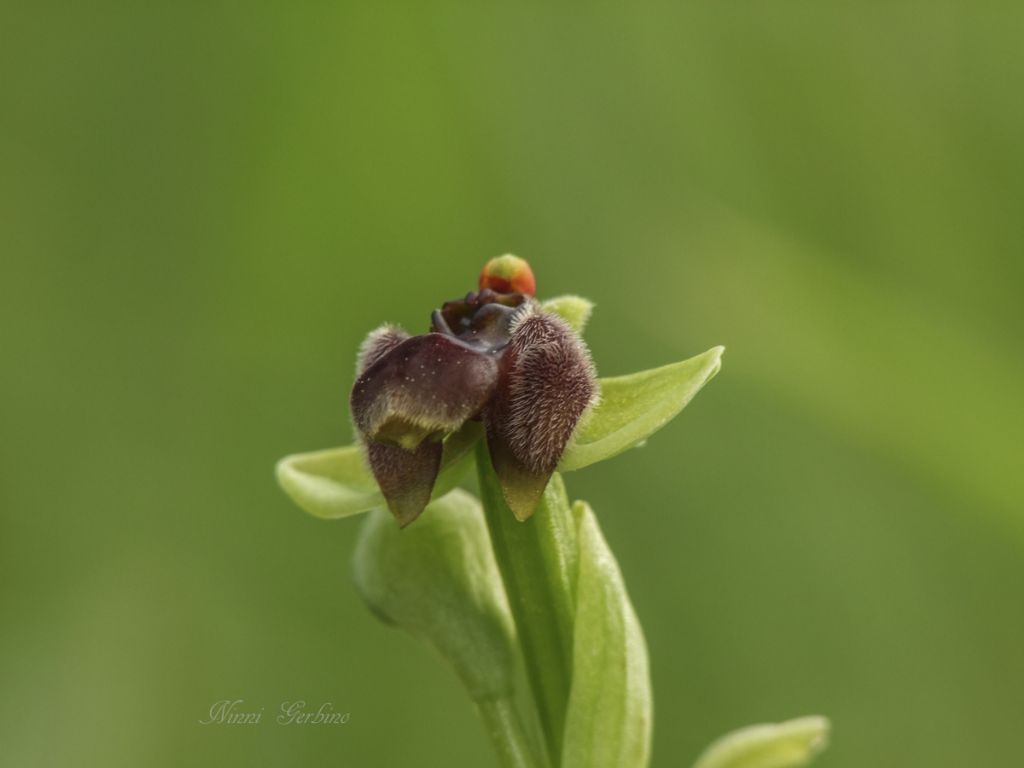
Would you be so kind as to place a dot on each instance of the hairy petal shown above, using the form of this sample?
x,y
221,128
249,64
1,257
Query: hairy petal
x,y
406,478
547,383
426,386
378,343
407,390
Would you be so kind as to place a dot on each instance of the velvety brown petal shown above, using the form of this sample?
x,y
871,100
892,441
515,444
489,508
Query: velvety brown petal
x,y
406,478
546,384
377,344
426,386
406,475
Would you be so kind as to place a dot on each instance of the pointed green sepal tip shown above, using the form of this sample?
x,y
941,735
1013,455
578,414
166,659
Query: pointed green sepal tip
x,y
789,744
634,407
575,310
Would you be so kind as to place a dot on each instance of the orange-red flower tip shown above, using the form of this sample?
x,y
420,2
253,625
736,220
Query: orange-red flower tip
x,y
508,274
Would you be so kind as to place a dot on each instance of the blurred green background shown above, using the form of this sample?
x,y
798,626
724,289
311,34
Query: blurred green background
x,y
205,206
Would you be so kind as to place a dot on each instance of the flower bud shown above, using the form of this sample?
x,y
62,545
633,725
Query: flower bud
x,y
508,274
771,745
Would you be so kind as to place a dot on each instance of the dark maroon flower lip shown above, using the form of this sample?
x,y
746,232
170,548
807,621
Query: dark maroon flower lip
x,y
482,320
425,387
492,356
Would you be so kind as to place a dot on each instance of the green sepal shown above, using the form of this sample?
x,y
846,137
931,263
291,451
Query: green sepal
x,y
634,407
771,745
575,310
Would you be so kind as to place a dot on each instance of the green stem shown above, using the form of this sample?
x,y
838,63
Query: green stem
x,y
506,730
537,560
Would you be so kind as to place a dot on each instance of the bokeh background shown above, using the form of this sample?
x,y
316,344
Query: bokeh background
x,y
205,206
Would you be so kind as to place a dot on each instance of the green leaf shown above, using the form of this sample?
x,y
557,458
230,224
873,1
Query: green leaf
x,y
608,724
634,407
575,310
438,580
774,745
337,482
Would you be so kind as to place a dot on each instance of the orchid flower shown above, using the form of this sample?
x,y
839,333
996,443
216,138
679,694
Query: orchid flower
x,y
497,365
495,356
505,382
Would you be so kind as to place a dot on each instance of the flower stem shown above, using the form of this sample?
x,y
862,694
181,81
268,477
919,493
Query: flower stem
x,y
537,560
507,733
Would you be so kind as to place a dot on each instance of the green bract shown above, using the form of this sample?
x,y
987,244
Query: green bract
x,y
438,580
774,745
609,718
